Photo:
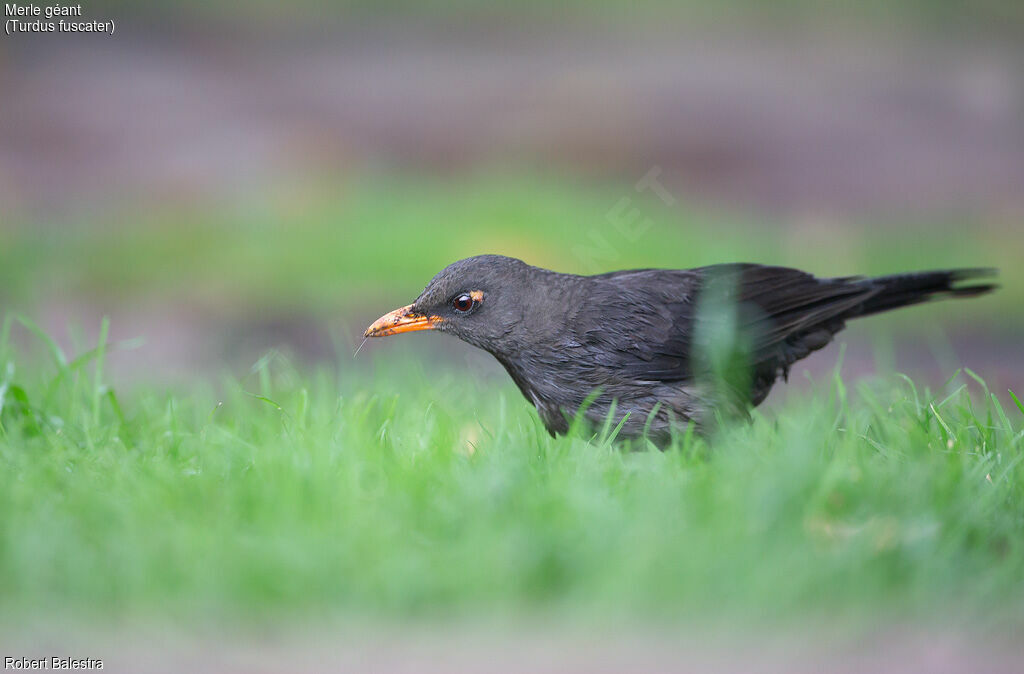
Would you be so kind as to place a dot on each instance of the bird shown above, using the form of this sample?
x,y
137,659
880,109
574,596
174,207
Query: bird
x,y
654,350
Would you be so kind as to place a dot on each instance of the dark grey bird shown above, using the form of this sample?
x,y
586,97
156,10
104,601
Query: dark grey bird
x,y
657,348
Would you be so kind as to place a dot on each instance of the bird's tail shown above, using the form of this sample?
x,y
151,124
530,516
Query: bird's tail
x,y
900,290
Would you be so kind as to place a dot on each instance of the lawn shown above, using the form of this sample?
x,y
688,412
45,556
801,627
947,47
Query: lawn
x,y
397,488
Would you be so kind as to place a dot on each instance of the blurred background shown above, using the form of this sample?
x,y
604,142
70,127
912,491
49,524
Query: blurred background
x,y
219,182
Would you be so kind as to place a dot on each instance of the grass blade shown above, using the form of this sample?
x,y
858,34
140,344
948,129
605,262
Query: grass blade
x,y
56,353
5,335
101,353
1016,401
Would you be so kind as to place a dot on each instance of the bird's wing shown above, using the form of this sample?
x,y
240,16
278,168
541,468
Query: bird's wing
x,y
648,324
782,316
636,324
779,307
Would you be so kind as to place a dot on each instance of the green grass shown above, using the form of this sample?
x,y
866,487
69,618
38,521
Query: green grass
x,y
405,490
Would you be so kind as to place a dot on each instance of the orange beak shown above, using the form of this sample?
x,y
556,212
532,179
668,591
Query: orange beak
x,y
401,320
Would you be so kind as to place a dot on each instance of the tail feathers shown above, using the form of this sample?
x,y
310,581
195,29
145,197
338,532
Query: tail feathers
x,y
902,290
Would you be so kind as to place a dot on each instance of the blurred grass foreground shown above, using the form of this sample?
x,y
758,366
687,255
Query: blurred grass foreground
x,y
402,493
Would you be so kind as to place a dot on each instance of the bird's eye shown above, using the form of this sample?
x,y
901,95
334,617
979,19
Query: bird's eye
x,y
463,303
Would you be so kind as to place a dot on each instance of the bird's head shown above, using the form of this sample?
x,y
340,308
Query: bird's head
x,y
481,300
